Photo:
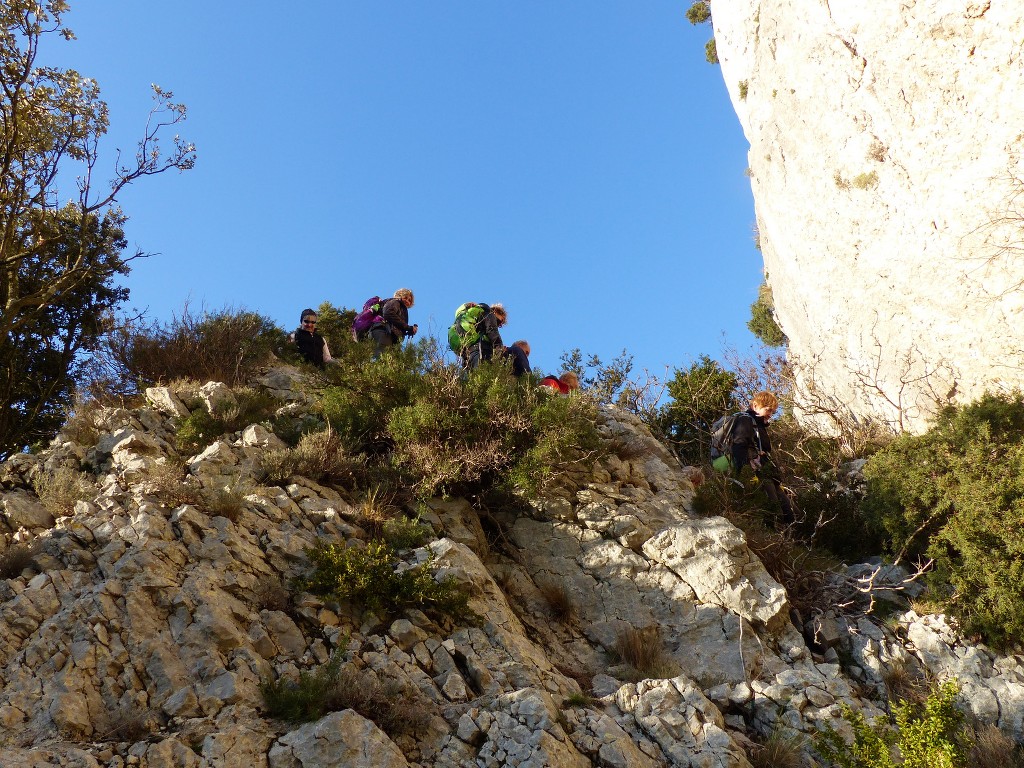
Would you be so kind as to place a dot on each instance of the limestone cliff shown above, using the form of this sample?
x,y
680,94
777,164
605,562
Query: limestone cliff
x,y
886,163
141,628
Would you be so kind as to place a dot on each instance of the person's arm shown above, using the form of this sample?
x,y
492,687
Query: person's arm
x,y
327,353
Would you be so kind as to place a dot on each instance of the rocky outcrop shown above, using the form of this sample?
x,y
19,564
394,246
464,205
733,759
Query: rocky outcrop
x,y
148,622
886,166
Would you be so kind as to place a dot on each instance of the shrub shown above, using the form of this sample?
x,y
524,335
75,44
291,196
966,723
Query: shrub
x,y
699,12
318,456
743,88
699,395
228,345
931,735
762,321
59,490
201,428
865,180
956,494
711,51
167,481
460,435
306,699
369,577
357,405
397,709
17,557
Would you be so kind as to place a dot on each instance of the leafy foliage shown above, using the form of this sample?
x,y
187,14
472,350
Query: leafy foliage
x,y
228,345
700,395
58,260
200,428
40,362
931,735
306,699
458,434
762,321
370,578
956,494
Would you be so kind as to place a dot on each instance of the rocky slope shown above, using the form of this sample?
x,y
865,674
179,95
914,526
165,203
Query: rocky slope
x,y
142,630
887,172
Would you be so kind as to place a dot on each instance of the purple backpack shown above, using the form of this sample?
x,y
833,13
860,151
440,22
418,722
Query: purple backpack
x,y
370,315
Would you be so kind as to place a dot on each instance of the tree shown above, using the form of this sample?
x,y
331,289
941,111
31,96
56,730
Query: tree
x,y
58,259
51,123
700,395
762,321
40,362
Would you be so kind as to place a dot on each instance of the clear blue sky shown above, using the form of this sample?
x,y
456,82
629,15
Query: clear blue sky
x,y
578,161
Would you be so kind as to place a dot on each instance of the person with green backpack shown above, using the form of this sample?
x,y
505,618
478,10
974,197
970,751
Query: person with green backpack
x,y
474,335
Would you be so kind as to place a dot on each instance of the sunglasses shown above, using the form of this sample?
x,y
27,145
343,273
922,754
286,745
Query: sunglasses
x,y
309,322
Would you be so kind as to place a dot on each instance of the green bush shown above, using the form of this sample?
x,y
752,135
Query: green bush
x,y
369,578
956,494
362,396
762,321
932,735
458,435
700,395
228,345
306,699
201,428
318,456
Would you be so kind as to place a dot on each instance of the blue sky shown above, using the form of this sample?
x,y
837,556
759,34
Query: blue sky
x,y
578,161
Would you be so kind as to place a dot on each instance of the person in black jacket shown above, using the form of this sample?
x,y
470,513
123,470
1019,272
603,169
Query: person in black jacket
x,y
312,346
394,323
490,339
519,351
752,445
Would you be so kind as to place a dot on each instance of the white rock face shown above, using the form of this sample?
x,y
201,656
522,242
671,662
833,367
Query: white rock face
x,y
885,153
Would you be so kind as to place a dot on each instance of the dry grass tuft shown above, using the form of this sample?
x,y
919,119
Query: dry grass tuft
x,y
397,709
904,683
779,750
167,481
994,749
58,491
17,557
643,652
559,601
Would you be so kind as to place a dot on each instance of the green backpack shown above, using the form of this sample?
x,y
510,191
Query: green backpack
x,y
463,332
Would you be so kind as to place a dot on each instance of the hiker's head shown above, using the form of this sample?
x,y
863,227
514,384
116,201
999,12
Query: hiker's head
x,y
764,403
571,380
405,296
308,319
523,345
499,313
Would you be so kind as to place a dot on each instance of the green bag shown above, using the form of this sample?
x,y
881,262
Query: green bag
x,y
722,463
463,332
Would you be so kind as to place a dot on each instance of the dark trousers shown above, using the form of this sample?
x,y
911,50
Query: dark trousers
x,y
477,353
383,338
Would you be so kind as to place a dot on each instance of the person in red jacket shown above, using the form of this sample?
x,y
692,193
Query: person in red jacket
x,y
564,384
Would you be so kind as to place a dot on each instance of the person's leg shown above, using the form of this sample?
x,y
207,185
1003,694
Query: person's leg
x,y
474,356
383,339
778,497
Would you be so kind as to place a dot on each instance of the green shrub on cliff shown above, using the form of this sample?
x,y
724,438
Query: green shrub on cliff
x,y
956,495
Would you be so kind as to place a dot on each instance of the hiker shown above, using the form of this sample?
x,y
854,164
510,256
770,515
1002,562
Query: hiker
x,y
393,323
752,445
564,384
490,339
519,351
312,346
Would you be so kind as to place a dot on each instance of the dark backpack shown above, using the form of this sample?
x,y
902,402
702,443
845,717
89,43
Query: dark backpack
x,y
465,331
722,434
370,314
